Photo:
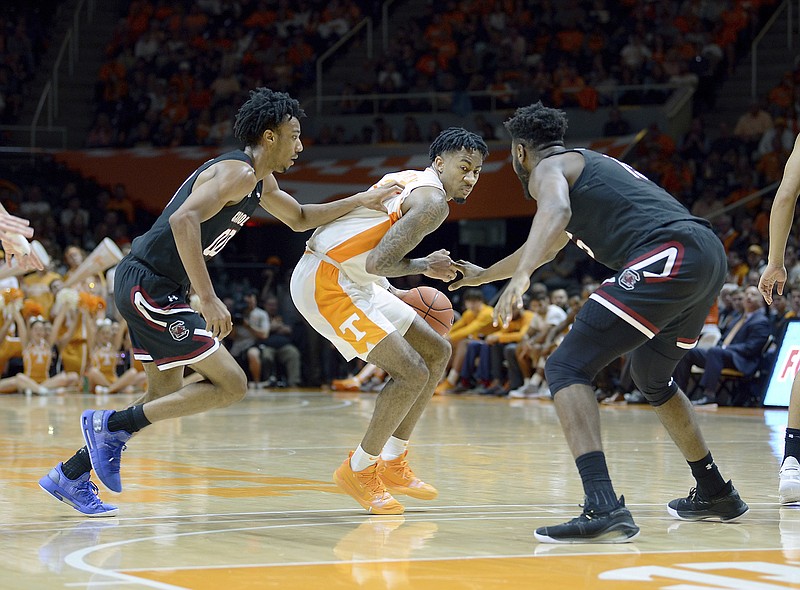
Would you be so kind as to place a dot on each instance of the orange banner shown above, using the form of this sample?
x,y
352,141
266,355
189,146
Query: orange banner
x,y
151,175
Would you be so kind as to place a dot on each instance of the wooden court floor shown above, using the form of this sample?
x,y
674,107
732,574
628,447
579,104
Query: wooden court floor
x,y
241,498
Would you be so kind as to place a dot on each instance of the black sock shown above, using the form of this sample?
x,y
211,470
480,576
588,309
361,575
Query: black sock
x,y
792,448
77,465
709,482
131,420
596,481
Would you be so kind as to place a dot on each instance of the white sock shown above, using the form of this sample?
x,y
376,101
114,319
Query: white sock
x,y
393,448
452,377
536,379
361,460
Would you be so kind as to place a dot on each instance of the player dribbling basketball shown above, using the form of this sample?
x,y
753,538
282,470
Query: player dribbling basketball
x,y
340,287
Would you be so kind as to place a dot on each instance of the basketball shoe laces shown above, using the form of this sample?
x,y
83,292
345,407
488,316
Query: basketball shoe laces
x,y
89,494
401,470
370,480
116,447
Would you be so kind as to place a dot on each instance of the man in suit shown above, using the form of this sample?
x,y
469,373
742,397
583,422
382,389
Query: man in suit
x,y
740,349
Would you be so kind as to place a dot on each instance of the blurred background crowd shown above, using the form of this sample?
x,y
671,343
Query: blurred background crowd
x,y
172,73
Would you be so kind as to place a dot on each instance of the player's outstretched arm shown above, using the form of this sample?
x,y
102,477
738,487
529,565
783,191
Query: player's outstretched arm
x,y
780,222
425,210
304,217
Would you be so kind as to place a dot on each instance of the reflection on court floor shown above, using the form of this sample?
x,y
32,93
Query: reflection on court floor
x,y
242,498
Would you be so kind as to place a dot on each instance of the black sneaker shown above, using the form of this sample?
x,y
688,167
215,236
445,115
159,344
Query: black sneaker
x,y
726,507
616,526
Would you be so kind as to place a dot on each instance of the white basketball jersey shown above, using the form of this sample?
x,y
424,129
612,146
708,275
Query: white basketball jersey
x,y
349,240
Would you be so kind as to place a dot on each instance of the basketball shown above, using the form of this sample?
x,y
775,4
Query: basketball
x,y
433,306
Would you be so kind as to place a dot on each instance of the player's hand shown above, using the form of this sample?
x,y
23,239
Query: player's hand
x,y
773,276
11,224
470,275
510,299
439,266
375,197
217,316
26,259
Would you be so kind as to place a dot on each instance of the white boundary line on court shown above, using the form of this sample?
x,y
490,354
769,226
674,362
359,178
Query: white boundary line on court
x,y
77,559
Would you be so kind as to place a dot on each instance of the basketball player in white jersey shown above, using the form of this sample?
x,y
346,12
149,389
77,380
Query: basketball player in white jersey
x,y
340,287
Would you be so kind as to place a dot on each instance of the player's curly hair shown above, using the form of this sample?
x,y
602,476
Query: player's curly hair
x,y
265,109
453,139
537,126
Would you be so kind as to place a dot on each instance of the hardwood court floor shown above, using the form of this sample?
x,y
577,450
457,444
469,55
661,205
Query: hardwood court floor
x,y
241,498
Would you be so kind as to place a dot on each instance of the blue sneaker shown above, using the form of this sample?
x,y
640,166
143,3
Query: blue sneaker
x,y
79,493
105,447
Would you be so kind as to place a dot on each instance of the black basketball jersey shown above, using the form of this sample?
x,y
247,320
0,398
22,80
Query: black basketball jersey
x,y
616,209
156,248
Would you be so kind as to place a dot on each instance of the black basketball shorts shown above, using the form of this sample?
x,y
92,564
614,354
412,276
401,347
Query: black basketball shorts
x,y
164,329
666,290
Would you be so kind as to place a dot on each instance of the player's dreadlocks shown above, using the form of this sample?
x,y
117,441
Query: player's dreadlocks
x,y
537,126
453,139
265,109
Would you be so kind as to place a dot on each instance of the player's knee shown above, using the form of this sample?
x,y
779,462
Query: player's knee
x,y
562,370
441,351
233,387
656,391
413,375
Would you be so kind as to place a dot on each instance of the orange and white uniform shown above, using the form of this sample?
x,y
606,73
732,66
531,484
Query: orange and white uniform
x,y
10,348
105,359
75,354
36,360
331,286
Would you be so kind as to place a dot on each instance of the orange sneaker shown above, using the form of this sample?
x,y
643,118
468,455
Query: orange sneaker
x,y
399,479
366,488
443,388
350,384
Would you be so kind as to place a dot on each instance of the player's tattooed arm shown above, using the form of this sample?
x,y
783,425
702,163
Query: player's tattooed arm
x,y
425,210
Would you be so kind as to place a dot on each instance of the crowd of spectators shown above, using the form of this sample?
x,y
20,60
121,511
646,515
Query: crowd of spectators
x,y
176,71
569,54
25,29
154,75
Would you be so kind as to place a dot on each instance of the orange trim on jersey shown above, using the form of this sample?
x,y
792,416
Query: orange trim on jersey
x,y
337,308
361,242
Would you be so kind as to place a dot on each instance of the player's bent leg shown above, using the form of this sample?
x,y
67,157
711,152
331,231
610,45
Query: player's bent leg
x,y
409,374
596,339
225,384
713,498
395,472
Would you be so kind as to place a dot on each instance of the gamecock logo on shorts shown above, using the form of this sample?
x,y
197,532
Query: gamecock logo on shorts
x,y
628,279
178,330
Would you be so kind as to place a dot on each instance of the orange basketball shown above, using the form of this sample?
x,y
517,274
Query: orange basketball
x,y
433,306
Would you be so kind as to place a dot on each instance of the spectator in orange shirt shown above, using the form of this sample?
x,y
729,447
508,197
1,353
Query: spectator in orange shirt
x,y
475,322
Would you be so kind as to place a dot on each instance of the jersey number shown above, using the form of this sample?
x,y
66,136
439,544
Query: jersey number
x,y
627,168
217,245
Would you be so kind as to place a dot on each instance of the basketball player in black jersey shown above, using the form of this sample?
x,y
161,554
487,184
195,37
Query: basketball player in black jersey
x,y
152,284
670,267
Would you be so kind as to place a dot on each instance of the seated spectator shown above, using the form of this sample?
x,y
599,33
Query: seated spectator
x,y
752,125
105,357
782,132
740,349
252,327
37,354
781,311
489,376
771,165
475,322
279,348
